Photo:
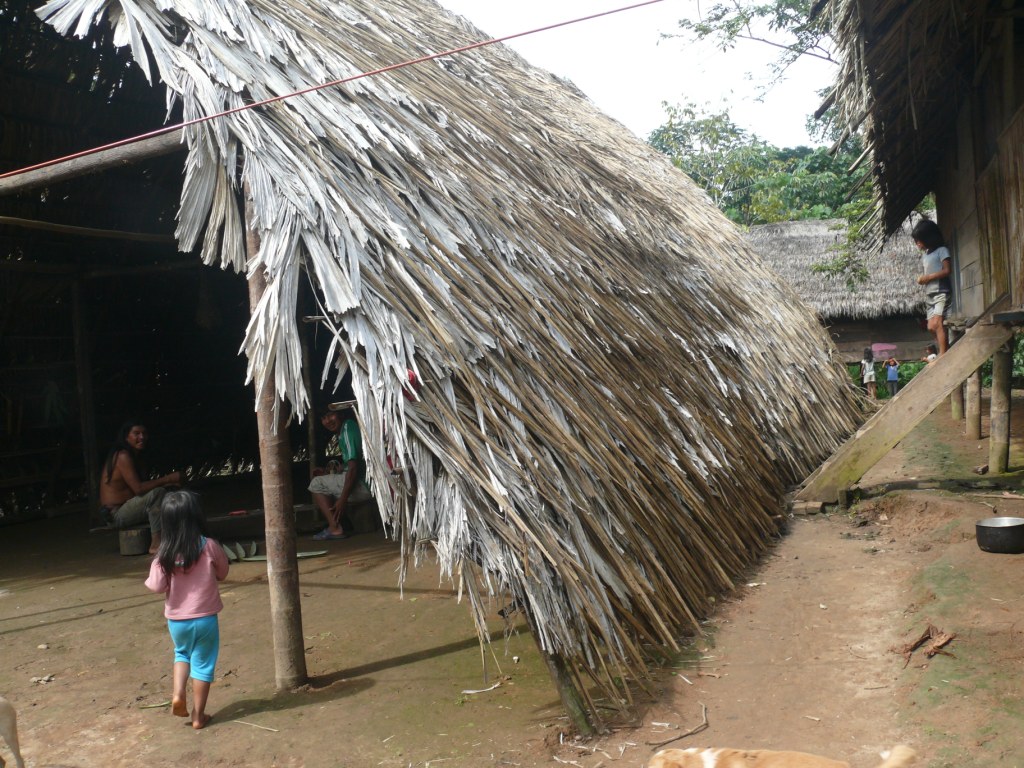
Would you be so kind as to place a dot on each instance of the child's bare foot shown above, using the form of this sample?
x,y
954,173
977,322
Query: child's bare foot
x,y
201,722
179,708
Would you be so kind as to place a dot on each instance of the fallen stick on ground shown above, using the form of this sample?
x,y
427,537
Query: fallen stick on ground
x,y
261,727
937,637
691,732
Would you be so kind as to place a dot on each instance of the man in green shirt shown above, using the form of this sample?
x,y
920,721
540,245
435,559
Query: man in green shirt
x,y
343,481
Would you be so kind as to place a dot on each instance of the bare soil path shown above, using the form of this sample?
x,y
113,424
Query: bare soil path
x,y
797,658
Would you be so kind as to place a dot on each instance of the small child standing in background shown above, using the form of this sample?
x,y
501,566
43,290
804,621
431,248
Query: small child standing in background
x,y
186,569
892,376
867,372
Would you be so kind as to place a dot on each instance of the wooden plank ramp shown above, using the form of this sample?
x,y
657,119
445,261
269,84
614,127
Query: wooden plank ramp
x,y
912,404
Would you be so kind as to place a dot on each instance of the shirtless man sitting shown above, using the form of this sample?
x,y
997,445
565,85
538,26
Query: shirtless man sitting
x,y
126,500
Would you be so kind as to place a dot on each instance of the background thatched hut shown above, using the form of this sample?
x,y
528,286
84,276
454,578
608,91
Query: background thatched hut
x,y
607,421
883,308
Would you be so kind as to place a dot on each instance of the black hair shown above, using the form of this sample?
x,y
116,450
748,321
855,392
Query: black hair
x,y
933,348
927,233
121,444
869,354
182,526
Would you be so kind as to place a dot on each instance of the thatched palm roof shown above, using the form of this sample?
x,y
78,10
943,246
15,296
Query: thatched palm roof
x,y
795,248
607,420
906,64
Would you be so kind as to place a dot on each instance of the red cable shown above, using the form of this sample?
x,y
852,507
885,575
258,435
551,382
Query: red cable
x,y
452,51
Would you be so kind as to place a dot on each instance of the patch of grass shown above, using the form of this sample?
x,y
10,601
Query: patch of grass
x,y
948,585
977,675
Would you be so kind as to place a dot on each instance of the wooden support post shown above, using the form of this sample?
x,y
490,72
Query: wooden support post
x,y
307,380
999,411
972,406
86,406
278,511
956,403
572,699
956,397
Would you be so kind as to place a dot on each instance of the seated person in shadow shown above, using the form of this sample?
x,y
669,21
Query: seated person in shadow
x,y
125,499
343,482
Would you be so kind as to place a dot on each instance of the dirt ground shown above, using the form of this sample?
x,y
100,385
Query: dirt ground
x,y
800,656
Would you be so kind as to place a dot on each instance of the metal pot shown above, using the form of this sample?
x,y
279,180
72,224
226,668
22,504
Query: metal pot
x,y
1004,535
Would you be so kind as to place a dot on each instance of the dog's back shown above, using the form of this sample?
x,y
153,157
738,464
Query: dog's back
x,y
900,757
9,730
739,758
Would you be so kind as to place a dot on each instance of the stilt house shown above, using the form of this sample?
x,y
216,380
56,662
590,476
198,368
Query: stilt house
x,y
937,90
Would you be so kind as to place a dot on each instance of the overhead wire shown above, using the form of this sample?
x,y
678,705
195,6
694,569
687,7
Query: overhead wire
x,y
341,81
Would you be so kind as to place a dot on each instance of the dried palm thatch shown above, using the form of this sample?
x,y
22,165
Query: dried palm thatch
x,y
905,66
608,416
795,248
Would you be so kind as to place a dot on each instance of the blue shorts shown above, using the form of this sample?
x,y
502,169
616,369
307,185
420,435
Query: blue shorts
x,y
197,643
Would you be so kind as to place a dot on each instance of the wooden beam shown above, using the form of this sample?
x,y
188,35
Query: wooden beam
x,y
116,157
68,229
904,412
34,267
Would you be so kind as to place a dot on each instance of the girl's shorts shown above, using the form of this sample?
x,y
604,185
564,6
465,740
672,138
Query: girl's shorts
x,y
938,305
197,643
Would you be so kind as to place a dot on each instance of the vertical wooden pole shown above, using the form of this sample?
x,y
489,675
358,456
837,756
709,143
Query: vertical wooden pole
x,y
956,397
278,510
999,411
86,406
972,406
572,699
307,381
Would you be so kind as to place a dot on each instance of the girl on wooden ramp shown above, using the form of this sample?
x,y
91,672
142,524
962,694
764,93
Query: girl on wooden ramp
x,y
937,265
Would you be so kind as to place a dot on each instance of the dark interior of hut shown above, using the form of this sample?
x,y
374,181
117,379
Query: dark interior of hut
x,y
101,318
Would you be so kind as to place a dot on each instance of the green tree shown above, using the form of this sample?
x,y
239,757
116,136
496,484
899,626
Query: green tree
x,y
711,149
789,25
750,180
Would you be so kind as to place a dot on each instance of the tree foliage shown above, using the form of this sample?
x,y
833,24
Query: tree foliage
x,y
784,24
752,181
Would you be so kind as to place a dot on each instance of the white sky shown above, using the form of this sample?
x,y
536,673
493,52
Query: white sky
x,y
621,63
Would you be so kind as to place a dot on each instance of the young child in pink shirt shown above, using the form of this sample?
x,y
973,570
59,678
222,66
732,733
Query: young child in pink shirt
x,y
186,569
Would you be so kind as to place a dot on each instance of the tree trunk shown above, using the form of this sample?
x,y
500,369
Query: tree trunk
x,y
972,406
999,411
278,513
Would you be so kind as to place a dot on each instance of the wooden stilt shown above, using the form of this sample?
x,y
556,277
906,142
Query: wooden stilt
x,y
956,397
565,683
999,411
278,513
972,406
